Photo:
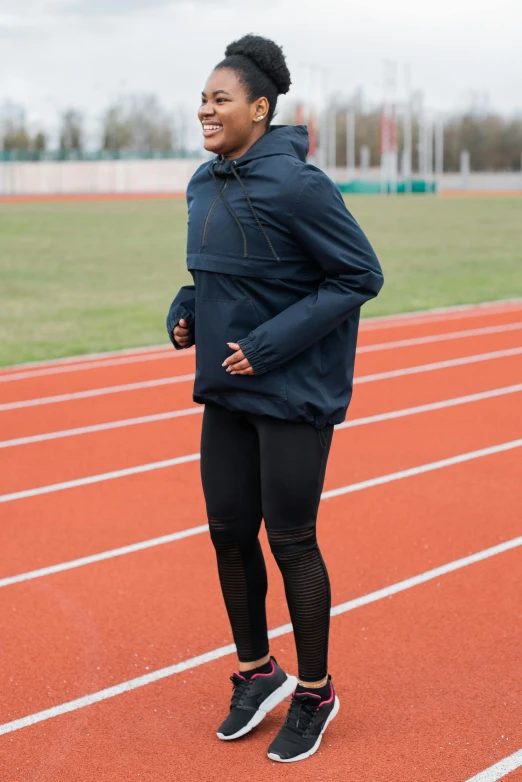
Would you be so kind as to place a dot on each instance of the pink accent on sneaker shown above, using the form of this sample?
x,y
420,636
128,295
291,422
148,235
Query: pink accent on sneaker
x,y
330,699
264,674
236,673
313,694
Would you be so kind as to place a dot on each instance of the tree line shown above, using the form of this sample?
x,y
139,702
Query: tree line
x,y
494,142
139,123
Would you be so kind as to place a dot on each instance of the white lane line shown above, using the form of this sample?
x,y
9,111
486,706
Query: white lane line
x,y
144,419
103,555
450,335
107,476
454,402
500,769
113,362
454,362
441,314
147,419
151,466
164,355
423,468
464,310
224,651
326,495
48,400
436,365
51,362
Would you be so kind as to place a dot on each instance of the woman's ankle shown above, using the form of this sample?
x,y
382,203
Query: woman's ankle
x,y
251,666
314,685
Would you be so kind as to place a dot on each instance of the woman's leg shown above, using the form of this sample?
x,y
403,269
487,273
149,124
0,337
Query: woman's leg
x,y
293,465
230,474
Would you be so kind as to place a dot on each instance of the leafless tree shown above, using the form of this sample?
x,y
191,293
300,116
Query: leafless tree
x,y
71,132
138,123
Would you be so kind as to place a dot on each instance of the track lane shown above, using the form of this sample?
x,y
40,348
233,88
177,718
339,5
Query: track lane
x,y
171,596
435,317
51,461
428,720
404,391
46,529
26,468
68,736
371,331
180,365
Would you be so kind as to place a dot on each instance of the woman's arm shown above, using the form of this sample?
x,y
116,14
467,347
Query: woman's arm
x,y
183,308
326,230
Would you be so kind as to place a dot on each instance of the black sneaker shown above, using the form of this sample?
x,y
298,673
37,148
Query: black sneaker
x,y
253,698
306,721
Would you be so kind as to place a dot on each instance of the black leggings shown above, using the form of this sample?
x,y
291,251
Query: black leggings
x,y
255,467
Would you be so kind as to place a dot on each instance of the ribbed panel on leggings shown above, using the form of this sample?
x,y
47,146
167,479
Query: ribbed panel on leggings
x,y
307,588
244,594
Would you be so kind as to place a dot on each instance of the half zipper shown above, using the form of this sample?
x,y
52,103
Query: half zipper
x,y
230,211
209,214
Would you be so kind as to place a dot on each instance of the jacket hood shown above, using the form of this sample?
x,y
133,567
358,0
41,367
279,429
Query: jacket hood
x,y
278,140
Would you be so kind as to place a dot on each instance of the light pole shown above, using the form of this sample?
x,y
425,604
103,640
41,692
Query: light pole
x,y
325,132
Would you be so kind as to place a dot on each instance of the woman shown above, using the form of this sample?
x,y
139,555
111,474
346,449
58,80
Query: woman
x,y
281,270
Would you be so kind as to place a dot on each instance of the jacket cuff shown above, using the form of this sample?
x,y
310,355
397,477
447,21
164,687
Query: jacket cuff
x,y
256,362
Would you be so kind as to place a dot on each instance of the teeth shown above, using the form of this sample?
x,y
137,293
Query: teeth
x,y
211,127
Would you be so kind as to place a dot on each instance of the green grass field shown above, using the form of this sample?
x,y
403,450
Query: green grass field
x,y
82,277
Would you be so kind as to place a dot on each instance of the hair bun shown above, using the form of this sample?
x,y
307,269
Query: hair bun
x,y
267,55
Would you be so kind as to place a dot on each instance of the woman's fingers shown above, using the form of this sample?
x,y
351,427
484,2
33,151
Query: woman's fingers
x,y
181,333
181,330
239,366
235,357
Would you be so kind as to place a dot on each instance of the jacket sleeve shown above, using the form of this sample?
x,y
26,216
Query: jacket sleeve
x,y
326,230
183,307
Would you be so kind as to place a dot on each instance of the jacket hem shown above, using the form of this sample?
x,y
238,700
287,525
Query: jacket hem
x,y
243,403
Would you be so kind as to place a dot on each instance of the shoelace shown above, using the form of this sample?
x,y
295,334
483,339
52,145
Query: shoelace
x,y
240,686
300,715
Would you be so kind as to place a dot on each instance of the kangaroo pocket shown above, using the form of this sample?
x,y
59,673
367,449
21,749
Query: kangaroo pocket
x,y
219,321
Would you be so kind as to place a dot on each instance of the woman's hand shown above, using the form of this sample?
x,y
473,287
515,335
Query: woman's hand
x,y
237,364
182,333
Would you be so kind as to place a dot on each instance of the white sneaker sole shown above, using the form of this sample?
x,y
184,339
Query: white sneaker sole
x,y
317,744
268,704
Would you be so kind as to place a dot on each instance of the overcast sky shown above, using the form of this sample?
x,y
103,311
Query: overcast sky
x,y
84,53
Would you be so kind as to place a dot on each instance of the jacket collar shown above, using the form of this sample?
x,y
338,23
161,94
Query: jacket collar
x,y
278,140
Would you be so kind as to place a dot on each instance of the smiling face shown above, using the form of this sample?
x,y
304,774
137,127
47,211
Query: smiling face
x,y
231,122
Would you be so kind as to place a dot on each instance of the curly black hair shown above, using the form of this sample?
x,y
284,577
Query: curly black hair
x,y
261,67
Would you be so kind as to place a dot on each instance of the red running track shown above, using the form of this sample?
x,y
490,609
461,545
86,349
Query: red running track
x,y
428,679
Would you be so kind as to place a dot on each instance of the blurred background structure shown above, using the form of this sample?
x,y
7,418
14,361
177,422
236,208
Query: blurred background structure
x,y
394,145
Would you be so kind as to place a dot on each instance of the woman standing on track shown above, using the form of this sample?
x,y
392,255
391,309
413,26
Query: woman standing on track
x,y
281,270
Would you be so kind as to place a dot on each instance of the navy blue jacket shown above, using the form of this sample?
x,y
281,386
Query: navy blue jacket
x,y
281,267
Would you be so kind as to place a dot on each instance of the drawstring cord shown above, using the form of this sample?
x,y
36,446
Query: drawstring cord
x,y
235,217
230,211
256,218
